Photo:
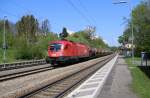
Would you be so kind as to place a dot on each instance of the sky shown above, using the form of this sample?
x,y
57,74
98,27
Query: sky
x,y
75,15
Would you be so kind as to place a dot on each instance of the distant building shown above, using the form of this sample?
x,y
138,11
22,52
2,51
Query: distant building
x,y
127,49
129,46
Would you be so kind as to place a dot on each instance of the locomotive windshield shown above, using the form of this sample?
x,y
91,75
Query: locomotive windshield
x,y
55,47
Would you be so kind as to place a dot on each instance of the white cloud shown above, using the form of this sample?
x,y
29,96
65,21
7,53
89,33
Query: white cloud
x,y
105,41
70,32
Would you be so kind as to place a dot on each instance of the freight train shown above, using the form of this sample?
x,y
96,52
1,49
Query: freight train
x,y
63,51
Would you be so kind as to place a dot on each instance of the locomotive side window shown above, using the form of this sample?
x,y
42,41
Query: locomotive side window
x,y
55,47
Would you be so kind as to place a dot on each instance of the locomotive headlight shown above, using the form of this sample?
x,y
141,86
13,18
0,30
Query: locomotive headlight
x,y
61,54
53,54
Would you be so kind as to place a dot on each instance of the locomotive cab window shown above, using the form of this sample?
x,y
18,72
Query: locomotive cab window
x,y
55,47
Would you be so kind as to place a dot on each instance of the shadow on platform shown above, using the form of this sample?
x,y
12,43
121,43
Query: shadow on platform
x,y
146,70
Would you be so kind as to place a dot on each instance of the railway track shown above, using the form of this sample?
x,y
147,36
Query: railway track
x,y
19,69
14,70
61,87
8,75
23,64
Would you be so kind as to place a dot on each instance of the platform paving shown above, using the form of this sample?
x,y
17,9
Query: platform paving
x,y
118,82
93,85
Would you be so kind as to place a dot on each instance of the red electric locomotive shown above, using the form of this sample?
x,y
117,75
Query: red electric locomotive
x,y
63,51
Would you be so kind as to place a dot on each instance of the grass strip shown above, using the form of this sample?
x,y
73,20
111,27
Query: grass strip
x,y
141,82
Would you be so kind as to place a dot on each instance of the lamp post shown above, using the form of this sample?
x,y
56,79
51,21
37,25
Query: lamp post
x,y
132,35
4,42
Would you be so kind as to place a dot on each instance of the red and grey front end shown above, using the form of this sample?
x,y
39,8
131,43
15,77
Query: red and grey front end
x,y
55,53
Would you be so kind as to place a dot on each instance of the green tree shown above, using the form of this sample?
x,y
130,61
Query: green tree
x,y
64,33
83,37
27,27
141,20
140,17
45,27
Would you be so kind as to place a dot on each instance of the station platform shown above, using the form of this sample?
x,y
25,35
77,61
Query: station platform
x,y
111,81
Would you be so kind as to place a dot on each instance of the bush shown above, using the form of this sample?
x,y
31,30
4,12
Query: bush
x,y
30,52
36,50
23,52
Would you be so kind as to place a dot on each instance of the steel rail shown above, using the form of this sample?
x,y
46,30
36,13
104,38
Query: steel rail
x,y
24,73
16,65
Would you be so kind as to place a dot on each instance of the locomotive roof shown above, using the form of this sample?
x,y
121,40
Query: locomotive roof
x,y
66,41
